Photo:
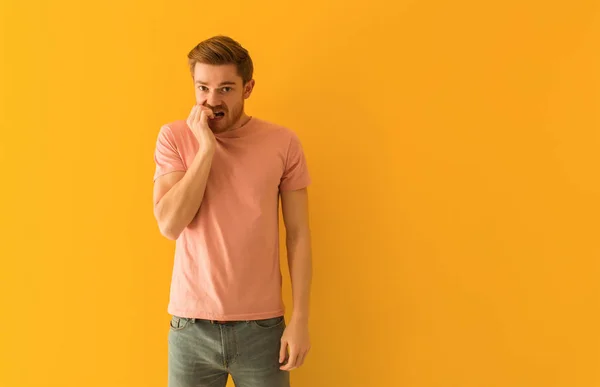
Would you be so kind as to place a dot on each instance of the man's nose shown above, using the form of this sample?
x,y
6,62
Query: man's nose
x,y
213,99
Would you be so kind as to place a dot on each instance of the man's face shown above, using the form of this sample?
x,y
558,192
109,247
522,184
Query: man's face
x,y
220,88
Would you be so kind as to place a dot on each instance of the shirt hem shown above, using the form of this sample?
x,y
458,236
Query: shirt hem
x,y
294,187
225,317
166,172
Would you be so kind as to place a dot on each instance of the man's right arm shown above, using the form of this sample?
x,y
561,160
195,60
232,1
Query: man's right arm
x,y
178,195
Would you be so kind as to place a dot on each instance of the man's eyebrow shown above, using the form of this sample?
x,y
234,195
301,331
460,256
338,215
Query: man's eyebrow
x,y
221,84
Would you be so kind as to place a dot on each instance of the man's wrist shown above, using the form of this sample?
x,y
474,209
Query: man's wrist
x,y
203,155
300,317
207,150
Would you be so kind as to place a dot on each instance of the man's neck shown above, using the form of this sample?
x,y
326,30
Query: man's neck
x,y
243,120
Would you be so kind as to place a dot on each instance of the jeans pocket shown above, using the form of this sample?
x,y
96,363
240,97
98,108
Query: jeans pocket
x,y
269,322
178,323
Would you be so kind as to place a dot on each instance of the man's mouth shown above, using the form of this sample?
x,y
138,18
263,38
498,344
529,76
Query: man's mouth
x,y
218,116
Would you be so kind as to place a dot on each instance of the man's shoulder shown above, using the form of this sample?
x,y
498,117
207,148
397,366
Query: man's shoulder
x,y
276,129
175,133
177,127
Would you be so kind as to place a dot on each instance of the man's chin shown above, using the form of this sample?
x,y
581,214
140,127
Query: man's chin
x,y
217,128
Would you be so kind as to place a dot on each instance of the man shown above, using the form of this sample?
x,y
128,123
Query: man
x,y
219,176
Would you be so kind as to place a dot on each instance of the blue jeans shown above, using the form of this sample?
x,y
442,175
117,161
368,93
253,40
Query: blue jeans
x,y
203,353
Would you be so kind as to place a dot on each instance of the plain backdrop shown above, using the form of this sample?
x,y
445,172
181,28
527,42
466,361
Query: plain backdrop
x,y
455,205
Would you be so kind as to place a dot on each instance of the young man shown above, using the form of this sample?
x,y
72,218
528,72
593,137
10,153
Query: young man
x,y
219,176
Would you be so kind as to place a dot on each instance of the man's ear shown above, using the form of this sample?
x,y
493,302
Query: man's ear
x,y
248,88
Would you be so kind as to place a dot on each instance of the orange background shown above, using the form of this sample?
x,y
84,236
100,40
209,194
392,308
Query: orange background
x,y
454,148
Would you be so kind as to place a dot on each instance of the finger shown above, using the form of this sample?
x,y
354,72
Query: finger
x,y
301,358
208,113
201,118
192,116
282,351
198,115
193,110
291,364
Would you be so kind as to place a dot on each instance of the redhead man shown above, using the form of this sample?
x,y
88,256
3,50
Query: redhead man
x,y
218,182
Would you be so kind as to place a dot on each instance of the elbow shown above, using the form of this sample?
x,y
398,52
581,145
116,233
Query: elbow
x,y
168,229
165,223
169,233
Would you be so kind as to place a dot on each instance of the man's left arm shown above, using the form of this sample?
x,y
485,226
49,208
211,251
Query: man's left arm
x,y
298,242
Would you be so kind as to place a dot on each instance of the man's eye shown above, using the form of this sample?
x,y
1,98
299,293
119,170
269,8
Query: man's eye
x,y
226,89
201,88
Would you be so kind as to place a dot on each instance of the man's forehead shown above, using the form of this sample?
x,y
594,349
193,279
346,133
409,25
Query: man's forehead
x,y
215,74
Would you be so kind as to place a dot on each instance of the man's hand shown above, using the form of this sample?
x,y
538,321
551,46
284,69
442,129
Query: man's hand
x,y
296,338
198,123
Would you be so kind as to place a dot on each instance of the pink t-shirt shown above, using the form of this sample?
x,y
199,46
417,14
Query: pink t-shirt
x,y
226,264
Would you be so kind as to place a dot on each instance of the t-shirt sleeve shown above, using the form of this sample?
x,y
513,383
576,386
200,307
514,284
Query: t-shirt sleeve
x,y
166,156
295,175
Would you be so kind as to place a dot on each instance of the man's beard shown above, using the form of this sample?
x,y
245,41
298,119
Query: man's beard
x,y
228,121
